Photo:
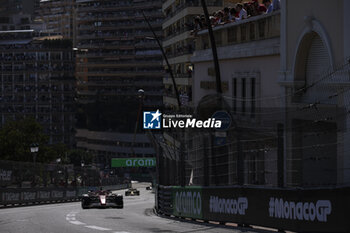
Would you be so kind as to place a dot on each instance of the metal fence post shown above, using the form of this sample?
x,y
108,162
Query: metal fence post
x,y
280,156
240,159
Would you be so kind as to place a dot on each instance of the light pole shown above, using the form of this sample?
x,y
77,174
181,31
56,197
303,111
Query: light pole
x,y
165,58
83,173
141,95
34,148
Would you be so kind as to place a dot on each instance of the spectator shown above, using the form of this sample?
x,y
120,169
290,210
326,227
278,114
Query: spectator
x,y
219,17
197,24
204,23
271,6
268,5
246,7
212,20
260,8
242,13
251,10
276,5
227,17
233,13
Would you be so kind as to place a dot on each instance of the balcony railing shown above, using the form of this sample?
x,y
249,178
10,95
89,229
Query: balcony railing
x,y
180,52
255,28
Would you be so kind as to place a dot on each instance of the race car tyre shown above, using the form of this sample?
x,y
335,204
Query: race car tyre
x,y
84,206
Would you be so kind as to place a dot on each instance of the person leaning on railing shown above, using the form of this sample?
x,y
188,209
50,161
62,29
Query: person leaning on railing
x,y
238,13
274,6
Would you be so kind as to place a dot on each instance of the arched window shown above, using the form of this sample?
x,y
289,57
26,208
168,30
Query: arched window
x,y
312,64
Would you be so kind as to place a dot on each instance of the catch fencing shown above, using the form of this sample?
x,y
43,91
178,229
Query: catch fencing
x,y
281,161
29,184
35,196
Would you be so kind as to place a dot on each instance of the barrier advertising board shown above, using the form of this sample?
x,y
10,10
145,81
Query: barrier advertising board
x,y
299,210
187,202
134,162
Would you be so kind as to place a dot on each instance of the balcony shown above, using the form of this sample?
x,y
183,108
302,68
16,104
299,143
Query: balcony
x,y
253,29
180,79
179,32
180,52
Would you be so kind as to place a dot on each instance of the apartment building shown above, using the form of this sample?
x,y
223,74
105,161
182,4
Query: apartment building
x,y
179,44
37,80
18,15
117,56
57,16
108,145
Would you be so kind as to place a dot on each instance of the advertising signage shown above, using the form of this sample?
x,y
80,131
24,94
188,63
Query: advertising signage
x,y
298,210
134,162
187,202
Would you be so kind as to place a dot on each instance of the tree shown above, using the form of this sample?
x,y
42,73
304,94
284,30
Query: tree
x,y
16,138
77,156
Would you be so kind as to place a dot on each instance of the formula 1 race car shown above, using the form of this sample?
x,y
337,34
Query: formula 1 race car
x,y
132,192
102,199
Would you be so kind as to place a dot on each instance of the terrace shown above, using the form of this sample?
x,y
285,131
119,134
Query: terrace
x,y
249,30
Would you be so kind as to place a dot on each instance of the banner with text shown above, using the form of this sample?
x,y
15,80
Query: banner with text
x,y
299,210
187,202
133,162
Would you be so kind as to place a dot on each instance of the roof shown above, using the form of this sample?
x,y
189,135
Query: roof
x,y
111,136
16,31
11,42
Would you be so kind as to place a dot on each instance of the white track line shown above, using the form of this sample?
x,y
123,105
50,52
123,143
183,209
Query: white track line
x,y
71,218
98,228
77,223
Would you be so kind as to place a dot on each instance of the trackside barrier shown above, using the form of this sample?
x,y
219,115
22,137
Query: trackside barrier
x,y
32,196
299,210
164,200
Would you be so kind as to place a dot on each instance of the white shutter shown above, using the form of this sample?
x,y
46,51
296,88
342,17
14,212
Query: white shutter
x,y
318,62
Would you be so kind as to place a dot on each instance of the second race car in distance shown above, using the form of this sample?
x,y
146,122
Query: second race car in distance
x,y
102,199
132,192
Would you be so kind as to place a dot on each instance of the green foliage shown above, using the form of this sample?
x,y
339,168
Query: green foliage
x,y
16,138
77,156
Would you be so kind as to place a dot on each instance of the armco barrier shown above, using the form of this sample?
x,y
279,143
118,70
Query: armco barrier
x,y
164,197
31,196
299,210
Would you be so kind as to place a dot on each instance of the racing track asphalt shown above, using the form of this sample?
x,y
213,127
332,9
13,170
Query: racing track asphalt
x,y
136,217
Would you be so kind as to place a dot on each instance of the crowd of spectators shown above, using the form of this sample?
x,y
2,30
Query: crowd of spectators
x,y
240,12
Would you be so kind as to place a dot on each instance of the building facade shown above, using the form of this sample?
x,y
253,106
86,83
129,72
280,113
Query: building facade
x,y
249,60
117,56
179,45
315,72
108,145
37,80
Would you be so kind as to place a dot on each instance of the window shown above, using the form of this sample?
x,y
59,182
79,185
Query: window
x,y
244,94
245,91
234,95
252,106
